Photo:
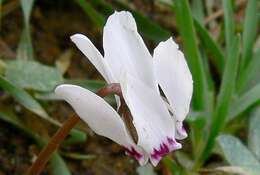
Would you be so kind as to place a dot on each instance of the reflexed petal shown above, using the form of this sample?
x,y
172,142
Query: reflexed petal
x,y
125,49
100,117
174,77
153,123
91,52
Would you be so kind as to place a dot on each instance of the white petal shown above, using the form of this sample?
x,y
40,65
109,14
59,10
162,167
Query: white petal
x,y
174,77
91,52
153,123
125,49
100,117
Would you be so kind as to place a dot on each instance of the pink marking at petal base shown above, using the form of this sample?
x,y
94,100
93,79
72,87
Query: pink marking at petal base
x,y
166,147
132,152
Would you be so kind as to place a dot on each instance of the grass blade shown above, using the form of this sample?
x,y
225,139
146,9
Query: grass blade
x,y
244,102
27,9
197,10
249,31
187,32
26,100
250,74
228,24
25,48
211,47
58,165
172,165
94,15
32,105
223,100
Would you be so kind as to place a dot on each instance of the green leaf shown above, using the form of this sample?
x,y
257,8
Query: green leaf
x,y
237,154
27,8
249,31
32,105
224,98
229,24
211,47
11,118
58,165
244,102
77,156
146,170
254,133
33,75
187,32
184,160
92,85
249,76
94,15
197,10
25,99
25,48
76,137
172,165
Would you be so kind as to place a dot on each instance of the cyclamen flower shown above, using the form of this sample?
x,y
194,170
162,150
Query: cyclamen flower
x,y
127,61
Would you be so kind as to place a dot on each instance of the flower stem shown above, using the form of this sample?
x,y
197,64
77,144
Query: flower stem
x,y
63,131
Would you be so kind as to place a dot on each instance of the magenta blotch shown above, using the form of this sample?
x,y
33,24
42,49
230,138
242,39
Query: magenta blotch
x,y
132,152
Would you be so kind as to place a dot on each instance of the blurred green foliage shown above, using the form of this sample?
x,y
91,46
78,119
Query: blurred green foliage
x,y
216,106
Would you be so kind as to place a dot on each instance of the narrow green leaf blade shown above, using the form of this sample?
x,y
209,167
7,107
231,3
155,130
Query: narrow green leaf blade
x,y
198,10
229,24
249,31
25,48
224,98
58,165
25,99
76,137
187,32
172,165
249,76
211,47
244,102
27,8
92,13
254,133
78,156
